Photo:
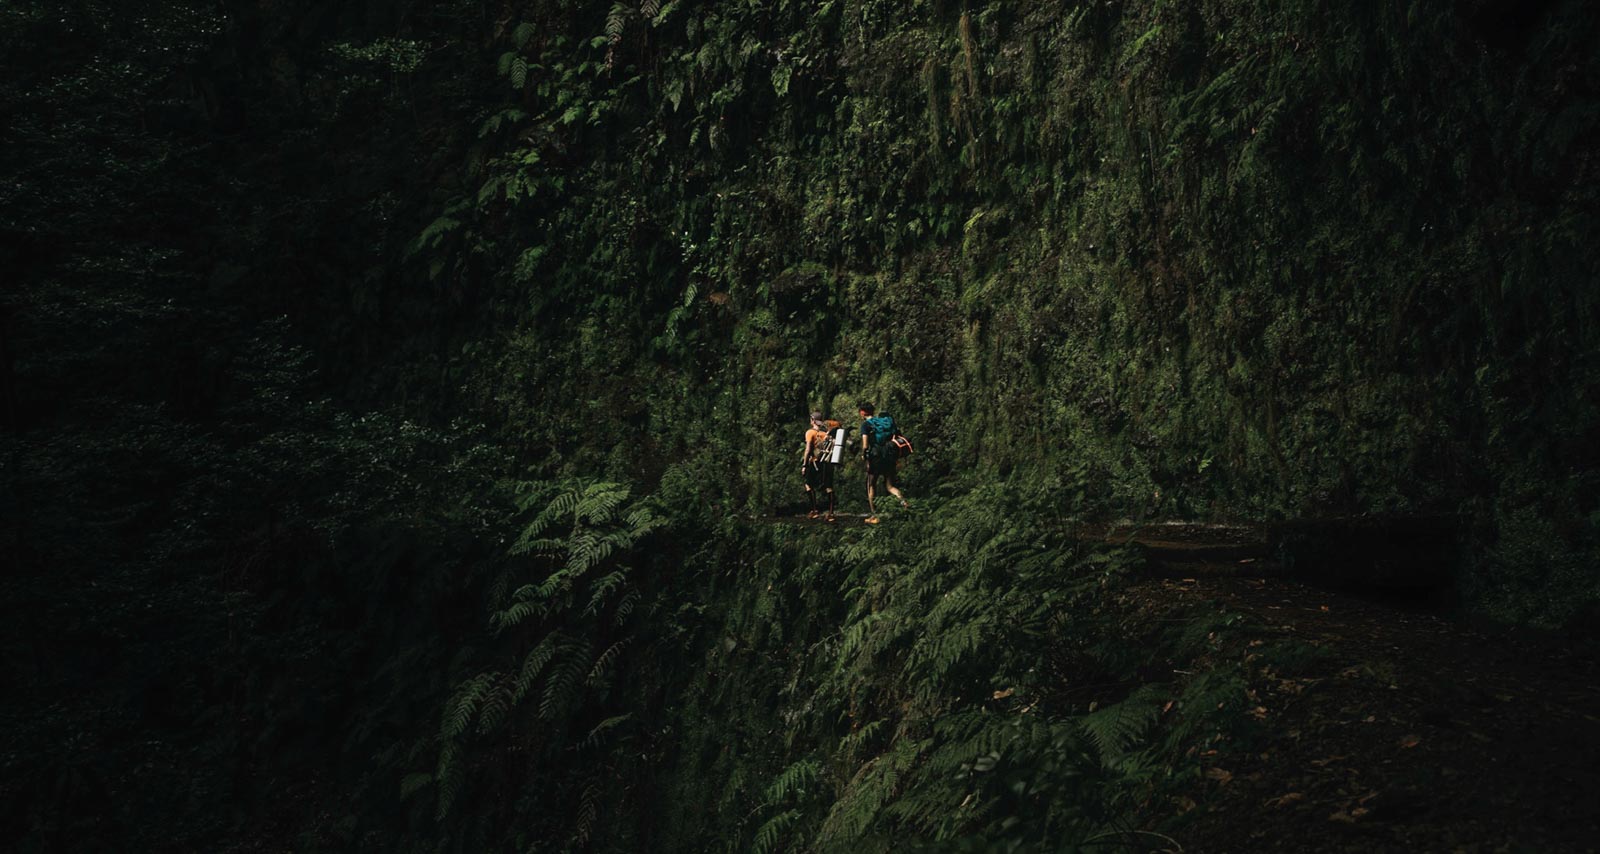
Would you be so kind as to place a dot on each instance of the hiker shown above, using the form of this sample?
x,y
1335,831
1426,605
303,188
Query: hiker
x,y
815,463
881,455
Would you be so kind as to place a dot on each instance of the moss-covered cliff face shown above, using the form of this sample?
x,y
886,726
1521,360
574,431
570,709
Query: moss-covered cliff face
x,y
321,315
1204,259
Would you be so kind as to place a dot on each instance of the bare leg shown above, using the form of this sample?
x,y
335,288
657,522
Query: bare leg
x,y
895,491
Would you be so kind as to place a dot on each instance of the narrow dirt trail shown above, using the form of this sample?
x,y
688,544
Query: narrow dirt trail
x,y
1391,730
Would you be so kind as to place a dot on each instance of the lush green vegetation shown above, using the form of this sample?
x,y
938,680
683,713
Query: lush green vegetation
x,y
390,391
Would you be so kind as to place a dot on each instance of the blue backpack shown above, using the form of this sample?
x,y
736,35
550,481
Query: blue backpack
x,y
879,429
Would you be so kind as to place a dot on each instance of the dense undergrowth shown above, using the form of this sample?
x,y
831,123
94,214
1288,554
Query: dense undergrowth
x,y
832,690
1231,261
388,389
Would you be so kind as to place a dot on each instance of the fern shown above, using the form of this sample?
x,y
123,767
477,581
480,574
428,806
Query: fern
x,y
534,663
853,744
625,607
562,685
1115,728
602,588
413,783
573,530
451,774
793,780
616,21
464,704
496,706
604,662
523,34
598,734
771,834
588,812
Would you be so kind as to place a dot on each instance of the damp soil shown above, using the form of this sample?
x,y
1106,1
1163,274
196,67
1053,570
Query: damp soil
x,y
1385,728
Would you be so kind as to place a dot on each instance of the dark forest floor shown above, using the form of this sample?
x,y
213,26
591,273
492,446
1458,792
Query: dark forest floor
x,y
1385,729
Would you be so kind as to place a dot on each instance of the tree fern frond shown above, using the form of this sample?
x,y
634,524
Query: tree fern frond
x,y
851,745
794,779
496,706
855,635
413,783
523,34
603,664
773,832
588,811
534,664
463,704
450,774
598,734
515,614
601,588
625,606
562,685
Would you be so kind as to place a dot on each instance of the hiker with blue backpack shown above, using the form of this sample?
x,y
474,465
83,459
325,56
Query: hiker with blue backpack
x,y
881,447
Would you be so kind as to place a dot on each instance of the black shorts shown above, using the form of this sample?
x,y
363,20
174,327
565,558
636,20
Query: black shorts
x,y
882,460
819,475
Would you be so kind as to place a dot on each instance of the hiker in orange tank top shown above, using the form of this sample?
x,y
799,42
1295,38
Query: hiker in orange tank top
x,y
814,465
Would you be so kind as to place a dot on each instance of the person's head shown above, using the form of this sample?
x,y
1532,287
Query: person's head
x,y
866,410
817,418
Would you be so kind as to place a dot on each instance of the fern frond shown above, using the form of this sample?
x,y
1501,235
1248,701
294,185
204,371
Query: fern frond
x,y
597,735
794,779
851,745
1115,728
516,613
534,664
603,664
496,707
855,635
603,587
562,685
625,606
463,704
450,774
588,811
523,34
774,831
413,783
616,20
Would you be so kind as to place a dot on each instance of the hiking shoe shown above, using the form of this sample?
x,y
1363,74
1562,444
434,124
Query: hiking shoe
x,y
871,520
830,518
813,514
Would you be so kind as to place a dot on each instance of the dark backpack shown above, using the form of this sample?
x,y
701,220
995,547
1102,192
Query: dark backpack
x,y
879,429
885,435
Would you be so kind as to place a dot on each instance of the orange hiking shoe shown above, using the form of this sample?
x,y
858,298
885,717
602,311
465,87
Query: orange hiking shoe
x,y
871,520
